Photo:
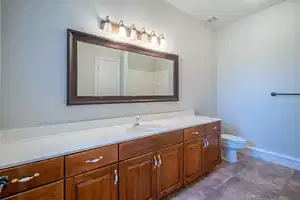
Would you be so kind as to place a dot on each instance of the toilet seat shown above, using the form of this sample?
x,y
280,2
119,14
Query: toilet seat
x,y
232,138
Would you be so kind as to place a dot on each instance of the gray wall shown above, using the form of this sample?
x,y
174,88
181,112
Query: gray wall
x,y
34,58
259,55
1,93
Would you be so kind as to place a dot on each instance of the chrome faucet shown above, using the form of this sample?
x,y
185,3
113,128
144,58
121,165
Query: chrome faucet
x,y
138,121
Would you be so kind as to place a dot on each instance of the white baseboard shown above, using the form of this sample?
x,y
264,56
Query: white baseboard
x,y
269,156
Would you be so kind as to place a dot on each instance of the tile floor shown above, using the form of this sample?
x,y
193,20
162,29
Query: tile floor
x,y
250,179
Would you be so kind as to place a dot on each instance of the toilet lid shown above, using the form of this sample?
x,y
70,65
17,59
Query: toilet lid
x,y
232,138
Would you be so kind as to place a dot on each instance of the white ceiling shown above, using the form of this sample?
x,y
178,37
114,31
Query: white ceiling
x,y
227,11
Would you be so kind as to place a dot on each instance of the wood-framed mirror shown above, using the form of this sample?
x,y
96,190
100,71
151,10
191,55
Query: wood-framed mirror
x,y
102,71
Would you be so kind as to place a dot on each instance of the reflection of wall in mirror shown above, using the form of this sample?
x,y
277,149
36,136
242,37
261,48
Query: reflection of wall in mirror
x,y
140,75
149,76
140,83
163,76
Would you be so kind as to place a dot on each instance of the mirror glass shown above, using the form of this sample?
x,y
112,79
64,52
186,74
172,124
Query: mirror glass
x,y
103,71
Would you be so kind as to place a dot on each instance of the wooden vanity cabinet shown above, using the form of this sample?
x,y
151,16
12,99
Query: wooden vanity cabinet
x,y
193,160
194,132
148,168
53,191
138,178
79,163
145,145
212,153
33,175
152,176
201,155
97,184
169,170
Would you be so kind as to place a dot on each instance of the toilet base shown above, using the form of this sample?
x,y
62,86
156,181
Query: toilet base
x,y
230,155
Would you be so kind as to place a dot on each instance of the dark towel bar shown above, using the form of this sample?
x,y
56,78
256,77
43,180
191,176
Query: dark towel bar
x,y
273,94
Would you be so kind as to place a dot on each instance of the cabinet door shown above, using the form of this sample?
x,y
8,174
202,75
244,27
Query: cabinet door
x,y
138,178
193,160
98,184
170,170
212,154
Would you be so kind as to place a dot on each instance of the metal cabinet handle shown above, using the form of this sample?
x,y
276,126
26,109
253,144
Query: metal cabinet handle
x,y
204,144
25,179
1,187
214,128
155,162
207,142
159,161
94,160
116,177
195,133
3,182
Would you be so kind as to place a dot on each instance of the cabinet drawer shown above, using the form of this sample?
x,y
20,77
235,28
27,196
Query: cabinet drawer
x,y
194,132
53,191
214,127
92,159
29,176
148,144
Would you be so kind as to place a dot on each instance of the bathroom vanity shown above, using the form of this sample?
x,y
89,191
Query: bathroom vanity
x,y
149,162
120,160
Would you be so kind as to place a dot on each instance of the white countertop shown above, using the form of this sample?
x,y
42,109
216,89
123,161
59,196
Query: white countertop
x,y
18,152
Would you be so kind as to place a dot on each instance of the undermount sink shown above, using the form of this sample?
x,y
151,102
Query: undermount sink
x,y
144,128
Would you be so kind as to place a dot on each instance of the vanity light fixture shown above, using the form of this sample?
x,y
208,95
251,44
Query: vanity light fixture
x,y
122,29
154,40
107,27
144,35
124,33
163,42
133,33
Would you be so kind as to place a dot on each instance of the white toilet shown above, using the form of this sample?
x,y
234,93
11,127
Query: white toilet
x,y
230,145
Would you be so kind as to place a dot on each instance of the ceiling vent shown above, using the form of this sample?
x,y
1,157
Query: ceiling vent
x,y
211,19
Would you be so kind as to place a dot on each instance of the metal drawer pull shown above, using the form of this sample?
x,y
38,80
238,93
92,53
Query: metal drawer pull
x,y
95,160
214,128
23,180
155,162
116,177
195,133
3,182
159,161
